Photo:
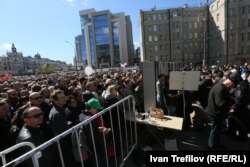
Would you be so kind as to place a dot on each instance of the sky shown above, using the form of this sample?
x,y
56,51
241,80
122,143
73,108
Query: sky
x,y
43,26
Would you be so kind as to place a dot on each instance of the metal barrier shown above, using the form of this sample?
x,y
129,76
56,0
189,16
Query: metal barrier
x,y
127,143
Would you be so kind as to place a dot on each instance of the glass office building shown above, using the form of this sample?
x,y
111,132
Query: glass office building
x,y
102,39
105,40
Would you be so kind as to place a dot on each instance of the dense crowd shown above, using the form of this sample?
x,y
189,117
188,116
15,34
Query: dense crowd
x,y
37,108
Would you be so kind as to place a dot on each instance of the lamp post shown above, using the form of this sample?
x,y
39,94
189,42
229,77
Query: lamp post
x,y
74,54
204,56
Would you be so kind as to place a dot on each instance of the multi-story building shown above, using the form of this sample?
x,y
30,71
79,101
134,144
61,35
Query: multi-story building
x,y
173,35
218,32
229,31
14,62
106,39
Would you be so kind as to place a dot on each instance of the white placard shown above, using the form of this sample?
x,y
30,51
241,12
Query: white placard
x,y
186,80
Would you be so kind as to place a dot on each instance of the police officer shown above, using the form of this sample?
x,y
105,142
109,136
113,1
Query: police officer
x,y
239,111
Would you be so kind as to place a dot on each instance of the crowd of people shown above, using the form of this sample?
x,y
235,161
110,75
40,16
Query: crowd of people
x,y
38,108
223,93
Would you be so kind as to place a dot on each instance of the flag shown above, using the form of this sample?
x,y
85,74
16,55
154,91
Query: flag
x,y
8,75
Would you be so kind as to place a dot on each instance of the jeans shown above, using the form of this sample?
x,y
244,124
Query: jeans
x,y
214,137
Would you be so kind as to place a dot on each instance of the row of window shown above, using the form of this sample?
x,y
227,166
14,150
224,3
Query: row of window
x,y
164,16
245,50
195,45
244,9
243,36
158,28
193,56
212,8
164,27
175,36
156,48
157,38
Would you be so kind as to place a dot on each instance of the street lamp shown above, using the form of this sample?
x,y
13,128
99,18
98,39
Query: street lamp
x,y
204,56
74,54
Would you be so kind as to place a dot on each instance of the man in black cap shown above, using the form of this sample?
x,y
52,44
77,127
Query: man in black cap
x,y
219,102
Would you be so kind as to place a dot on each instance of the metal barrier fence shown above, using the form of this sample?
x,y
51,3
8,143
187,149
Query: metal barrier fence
x,y
127,137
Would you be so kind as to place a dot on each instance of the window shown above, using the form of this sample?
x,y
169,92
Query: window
x,y
166,47
231,12
248,23
242,37
230,51
149,38
154,17
195,35
150,48
185,56
161,47
185,25
195,24
149,28
155,38
175,14
177,35
156,48
160,37
164,16
242,50
249,9
248,36
185,36
177,24
212,8
248,49
177,47
243,10
189,25
159,16
149,17
166,37
242,23
218,3
231,38
173,25
155,27
190,35
217,17
230,25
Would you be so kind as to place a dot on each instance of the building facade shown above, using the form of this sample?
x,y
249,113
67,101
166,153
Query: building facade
x,y
229,36
14,62
106,39
218,32
173,35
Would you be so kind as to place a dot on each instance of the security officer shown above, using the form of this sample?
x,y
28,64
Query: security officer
x,y
239,111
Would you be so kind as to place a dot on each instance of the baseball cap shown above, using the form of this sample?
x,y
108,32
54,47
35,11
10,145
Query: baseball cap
x,y
94,103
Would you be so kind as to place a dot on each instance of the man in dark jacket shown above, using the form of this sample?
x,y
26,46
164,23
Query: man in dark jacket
x,y
58,123
219,102
5,126
31,132
239,111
